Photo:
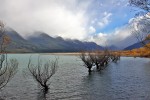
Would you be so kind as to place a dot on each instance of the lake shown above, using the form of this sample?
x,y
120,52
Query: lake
x,y
129,79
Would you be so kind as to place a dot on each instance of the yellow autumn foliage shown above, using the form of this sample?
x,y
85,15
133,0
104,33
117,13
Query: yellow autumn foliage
x,y
140,52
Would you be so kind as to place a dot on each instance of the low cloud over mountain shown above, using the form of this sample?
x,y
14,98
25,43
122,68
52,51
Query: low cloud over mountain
x,y
42,42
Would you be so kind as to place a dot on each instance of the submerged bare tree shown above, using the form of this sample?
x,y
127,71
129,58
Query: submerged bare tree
x,y
99,59
8,68
114,57
86,58
42,73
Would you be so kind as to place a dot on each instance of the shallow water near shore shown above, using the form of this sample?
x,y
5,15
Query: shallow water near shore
x,y
129,79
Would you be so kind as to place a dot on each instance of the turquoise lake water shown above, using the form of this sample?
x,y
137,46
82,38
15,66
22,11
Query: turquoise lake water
x,y
129,79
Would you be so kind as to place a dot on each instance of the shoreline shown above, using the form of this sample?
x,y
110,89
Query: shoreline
x,y
73,54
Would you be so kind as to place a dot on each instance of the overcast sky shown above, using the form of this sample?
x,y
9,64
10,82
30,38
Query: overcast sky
x,y
102,21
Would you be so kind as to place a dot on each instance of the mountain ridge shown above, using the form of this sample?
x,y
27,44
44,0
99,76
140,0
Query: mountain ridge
x,y
42,42
136,45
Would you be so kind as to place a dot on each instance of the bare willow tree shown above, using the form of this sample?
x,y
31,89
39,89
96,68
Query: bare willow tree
x,y
42,73
8,68
88,62
114,56
142,27
99,59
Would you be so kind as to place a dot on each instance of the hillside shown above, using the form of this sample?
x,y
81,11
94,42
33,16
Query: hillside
x,y
41,42
18,44
138,52
134,46
47,43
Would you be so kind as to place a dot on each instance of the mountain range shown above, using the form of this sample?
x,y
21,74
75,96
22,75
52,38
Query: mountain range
x,y
42,42
136,45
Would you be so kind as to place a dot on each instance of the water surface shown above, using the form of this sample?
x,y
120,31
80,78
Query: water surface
x,y
128,79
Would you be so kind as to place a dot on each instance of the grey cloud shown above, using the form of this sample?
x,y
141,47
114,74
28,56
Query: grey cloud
x,y
121,37
66,18
73,19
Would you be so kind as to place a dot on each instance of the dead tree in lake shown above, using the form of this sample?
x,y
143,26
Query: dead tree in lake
x,y
114,57
42,73
8,68
86,58
100,59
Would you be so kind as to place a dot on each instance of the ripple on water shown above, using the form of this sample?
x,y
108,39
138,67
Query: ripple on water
x,y
128,79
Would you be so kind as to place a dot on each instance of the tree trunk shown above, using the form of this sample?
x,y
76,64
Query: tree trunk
x,y
46,88
97,66
89,71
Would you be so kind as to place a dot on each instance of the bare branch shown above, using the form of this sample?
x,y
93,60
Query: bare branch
x,y
42,73
7,68
142,4
98,59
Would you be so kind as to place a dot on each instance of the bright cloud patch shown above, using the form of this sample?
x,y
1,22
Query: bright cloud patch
x,y
105,20
89,20
121,37
124,36
92,29
55,17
